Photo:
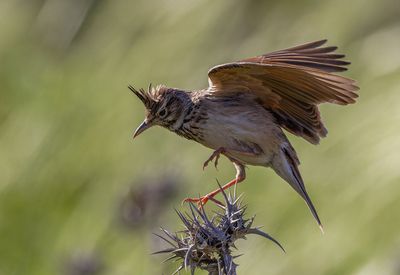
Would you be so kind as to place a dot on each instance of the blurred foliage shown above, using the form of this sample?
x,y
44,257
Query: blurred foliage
x,y
67,158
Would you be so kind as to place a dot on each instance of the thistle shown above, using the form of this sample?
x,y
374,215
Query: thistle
x,y
208,243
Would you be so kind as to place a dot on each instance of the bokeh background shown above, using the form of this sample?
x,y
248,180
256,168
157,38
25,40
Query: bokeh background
x,y
79,197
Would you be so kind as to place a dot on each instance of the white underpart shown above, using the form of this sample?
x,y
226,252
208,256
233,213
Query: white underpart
x,y
238,129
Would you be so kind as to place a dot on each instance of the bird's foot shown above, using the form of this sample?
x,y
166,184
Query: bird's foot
x,y
201,201
215,155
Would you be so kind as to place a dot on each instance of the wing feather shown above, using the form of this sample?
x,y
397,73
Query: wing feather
x,y
290,83
309,55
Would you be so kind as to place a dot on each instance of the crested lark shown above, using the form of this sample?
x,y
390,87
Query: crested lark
x,y
247,104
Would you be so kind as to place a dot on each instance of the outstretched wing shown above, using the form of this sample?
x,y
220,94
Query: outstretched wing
x,y
290,83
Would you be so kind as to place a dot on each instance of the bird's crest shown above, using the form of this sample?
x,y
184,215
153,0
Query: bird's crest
x,y
151,96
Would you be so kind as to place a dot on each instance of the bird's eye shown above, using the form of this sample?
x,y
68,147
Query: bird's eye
x,y
162,113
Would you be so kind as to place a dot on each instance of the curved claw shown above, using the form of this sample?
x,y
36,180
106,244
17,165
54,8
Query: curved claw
x,y
205,164
215,155
216,161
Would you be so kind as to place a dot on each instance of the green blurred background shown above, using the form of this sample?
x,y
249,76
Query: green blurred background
x,y
79,197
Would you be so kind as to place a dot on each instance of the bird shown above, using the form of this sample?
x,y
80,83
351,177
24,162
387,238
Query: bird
x,y
248,106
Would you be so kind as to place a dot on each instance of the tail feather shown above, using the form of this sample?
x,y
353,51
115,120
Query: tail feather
x,y
286,167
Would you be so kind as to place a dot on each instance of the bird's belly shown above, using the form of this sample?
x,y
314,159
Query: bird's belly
x,y
250,137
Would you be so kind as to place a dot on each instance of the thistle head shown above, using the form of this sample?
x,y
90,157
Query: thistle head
x,y
164,106
208,243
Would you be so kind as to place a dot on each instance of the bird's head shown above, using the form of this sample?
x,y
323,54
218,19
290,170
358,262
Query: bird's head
x,y
164,107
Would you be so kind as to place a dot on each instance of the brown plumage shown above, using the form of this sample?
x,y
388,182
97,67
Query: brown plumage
x,y
247,103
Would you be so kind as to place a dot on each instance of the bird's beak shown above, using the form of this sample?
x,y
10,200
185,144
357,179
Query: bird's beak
x,y
145,125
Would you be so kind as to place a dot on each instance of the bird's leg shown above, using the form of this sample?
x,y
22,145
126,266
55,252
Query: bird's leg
x,y
240,176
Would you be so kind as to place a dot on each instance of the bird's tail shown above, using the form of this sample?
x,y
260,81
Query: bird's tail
x,y
285,165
